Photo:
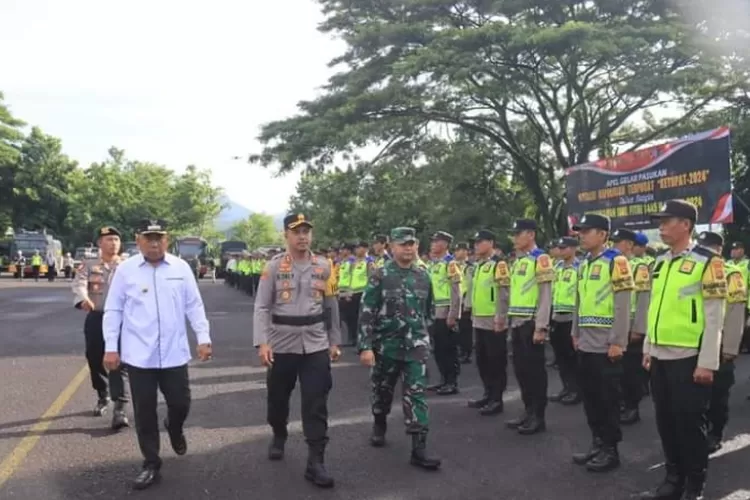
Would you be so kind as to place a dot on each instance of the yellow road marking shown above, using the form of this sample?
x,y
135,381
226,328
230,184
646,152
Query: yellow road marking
x,y
12,462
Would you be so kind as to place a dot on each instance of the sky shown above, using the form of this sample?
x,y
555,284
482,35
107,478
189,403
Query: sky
x,y
173,82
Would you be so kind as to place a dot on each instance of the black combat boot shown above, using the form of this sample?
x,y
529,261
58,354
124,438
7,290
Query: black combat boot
x,y
119,419
377,438
101,404
519,421
419,456
694,486
316,471
479,403
671,488
556,398
448,389
276,447
572,398
493,407
606,460
583,458
630,416
533,425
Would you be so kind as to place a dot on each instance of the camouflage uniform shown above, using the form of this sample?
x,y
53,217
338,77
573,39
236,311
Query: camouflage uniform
x,y
393,321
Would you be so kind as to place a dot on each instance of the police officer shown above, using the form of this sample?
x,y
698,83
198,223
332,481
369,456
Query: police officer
x,y
446,289
531,278
601,324
634,376
465,329
379,253
297,332
563,304
344,273
393,340
718,410
682,350
487,297
90,288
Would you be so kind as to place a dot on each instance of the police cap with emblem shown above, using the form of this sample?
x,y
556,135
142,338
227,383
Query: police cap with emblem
x,y
593,221
484,235
293,221
380,238
677,208
524,225
566,242
624,235
710,239
738,244
108,231
403,235
152,226
462,246
442,236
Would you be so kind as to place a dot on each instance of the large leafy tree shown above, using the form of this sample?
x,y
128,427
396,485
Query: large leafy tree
x,y
257,230
548,82
11,135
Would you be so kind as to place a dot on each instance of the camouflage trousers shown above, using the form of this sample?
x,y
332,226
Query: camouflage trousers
x,y
413,374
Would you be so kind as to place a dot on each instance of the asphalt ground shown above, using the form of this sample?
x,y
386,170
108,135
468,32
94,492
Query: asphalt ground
x,y
51,448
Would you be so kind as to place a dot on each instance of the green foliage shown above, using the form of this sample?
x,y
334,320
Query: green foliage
x,y
549,83
257,230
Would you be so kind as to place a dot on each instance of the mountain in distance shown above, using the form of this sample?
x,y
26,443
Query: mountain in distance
x,y
234,212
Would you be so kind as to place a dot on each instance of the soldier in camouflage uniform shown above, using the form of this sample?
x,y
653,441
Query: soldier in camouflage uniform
x,y
393,340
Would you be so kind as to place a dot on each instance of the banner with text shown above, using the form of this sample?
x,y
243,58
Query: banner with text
x,y
630,187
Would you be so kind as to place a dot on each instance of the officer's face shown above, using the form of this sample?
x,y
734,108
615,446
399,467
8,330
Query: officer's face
x,y
738,253
638,251
461,254
299,238
483,247
378,247
361,251
153,246
672,229
624,246
109,245
591,239
566,253
554,252
523,239
404,252
438,247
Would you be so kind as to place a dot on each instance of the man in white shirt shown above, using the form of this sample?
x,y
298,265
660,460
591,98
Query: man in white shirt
x,y
149,298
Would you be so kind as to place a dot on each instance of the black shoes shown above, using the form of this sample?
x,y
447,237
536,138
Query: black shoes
x,y
316,471
583,458
101,405
571,399
491,408
147,477
519,421
419,456
176,439
606,460
556,398
119,419
480,403
379,428
532,425
670,489
630,416
448,389
276,448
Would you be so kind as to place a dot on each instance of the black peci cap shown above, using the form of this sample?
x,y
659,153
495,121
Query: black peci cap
x,y
293,221
593,221
152,226
738,244
484,235
677,208
524,225
710,239
624,235
108,231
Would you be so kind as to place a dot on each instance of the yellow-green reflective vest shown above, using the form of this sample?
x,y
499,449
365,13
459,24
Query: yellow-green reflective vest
x,y
441,285
736,286
524,289
359,275
345,275
36,260
675,315
596,301
564,288
484,289
464,267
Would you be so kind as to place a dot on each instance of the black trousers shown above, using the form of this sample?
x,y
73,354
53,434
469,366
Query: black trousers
x,y
174,384
446,351
681,415
112,383
465,334
350,314
492,361
529,366
314,374
634,377
718,409
565,354
599,379
35,270
51,273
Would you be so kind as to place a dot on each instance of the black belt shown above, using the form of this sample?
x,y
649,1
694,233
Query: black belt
x,y
297,320
94,311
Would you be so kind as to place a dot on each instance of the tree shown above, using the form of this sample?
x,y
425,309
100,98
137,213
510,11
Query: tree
x,y
257,230
11,136
196,202
547,82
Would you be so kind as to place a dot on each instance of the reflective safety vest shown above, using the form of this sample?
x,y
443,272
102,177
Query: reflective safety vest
x,y
441,284
564,289
484,289
359,275
736,285
345,275
464,267
524,282
36,260
678,286
596,302
641,280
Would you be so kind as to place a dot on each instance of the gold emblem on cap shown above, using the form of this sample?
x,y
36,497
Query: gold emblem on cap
x,y
105,230
300,217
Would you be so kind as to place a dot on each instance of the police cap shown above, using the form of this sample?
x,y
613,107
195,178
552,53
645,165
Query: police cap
x,y
109,231
462,246
624,235
593,221
738,244
710,239
442,236
641,239
293,221
484,235
677,208
152,226
380,238
524,225
566,242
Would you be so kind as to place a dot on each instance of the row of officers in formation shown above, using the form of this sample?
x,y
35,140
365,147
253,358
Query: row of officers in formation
x,y
621,323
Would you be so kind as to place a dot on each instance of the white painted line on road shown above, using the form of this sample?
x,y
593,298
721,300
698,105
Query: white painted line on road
x,y
737,495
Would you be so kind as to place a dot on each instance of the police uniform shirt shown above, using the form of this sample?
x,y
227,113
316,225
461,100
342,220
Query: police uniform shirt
x,y
454,275
642,282
734,316
593,339
708,355
92,281
467,271
296,288
503,293
146,310
563,317
544,303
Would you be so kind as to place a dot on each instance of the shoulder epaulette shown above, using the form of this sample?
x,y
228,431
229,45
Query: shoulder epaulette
x,y
448,258
704,252
536,252
611,253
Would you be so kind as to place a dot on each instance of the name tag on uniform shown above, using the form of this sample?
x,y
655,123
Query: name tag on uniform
x,y
567,276
687,266
596,272
522,268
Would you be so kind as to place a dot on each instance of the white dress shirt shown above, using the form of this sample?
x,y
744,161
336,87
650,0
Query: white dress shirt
x,y
146,310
